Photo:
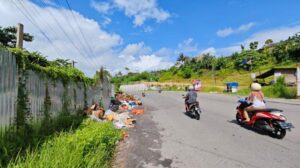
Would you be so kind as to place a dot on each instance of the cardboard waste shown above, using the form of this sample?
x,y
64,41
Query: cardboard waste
x,y
121,111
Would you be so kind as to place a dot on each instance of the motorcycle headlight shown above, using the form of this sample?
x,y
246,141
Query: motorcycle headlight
x,y
282,117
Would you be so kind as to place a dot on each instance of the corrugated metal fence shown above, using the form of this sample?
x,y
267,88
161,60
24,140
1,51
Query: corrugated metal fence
x,y
36,86
8,87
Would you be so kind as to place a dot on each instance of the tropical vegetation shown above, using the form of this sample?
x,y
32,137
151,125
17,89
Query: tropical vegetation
x,y
25,134
91,145
216,70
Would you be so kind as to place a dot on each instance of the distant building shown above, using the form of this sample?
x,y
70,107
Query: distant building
x,y
289,75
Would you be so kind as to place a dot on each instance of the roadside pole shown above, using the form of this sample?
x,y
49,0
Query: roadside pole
x,y
20,32
298,82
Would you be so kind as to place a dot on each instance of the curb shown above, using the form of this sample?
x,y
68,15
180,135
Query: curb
x,y
284,101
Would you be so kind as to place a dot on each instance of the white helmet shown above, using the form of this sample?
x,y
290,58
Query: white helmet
x,y
255,87
191,87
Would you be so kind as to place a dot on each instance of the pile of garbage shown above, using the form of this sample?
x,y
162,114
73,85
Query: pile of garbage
x,y
121,111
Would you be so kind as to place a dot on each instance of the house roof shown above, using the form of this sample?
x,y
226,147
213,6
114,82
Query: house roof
x,y
271,72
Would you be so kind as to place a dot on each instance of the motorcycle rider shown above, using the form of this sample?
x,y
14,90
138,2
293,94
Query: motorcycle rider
x,y
190,98
256,98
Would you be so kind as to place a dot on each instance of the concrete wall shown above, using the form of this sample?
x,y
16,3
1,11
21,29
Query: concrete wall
x,y
133,87
289,75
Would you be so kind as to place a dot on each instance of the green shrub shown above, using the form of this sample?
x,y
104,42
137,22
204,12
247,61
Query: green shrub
x,y
187,73
92,145
279,90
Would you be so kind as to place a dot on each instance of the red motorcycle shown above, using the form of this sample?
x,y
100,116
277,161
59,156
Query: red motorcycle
x,y
268,120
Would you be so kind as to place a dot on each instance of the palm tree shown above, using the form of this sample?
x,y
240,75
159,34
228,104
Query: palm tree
x,y
181,58
242,47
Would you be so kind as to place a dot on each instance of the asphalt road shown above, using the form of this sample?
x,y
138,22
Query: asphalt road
x,y
166,137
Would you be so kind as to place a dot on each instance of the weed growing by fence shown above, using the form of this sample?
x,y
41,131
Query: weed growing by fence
x,y
24,135
90,146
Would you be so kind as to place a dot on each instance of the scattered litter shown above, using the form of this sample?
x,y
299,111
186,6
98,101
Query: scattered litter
x,y
121,110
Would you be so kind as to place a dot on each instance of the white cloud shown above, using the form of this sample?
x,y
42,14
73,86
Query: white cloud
x,y
229,31
187,47
150,62
102,7
148,29
165,52
225,32
50,2
131,51
277,34
106,21
226,51
210,50
106,47
245,27
139,10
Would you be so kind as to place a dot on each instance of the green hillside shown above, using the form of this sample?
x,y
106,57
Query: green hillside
x,y
214,71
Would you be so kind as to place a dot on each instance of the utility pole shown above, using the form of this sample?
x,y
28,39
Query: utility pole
x,y
213,74
73,63
20,32
298,81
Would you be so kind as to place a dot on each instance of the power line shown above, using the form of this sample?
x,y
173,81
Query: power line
x,y
34,10
65,33
51,27
82,34
72,27
47,24
29,17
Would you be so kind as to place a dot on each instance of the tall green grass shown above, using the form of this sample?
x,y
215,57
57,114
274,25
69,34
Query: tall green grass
x,y
278,90
15,142
92,145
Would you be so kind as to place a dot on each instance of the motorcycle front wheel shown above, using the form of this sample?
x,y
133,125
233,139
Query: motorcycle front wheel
x,y
279,133
238,118
197,116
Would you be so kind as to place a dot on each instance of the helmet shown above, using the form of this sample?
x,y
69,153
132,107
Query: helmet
x,y
191,87
255,87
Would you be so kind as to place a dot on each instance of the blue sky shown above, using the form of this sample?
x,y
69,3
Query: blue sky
x,y
150,34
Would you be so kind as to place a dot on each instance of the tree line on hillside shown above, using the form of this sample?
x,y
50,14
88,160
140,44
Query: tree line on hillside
x,y
281,53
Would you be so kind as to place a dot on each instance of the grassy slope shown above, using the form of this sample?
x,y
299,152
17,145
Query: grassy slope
x,y
223,76
90,146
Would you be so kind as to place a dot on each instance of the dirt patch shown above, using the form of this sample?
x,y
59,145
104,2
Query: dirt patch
x,y
142,147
